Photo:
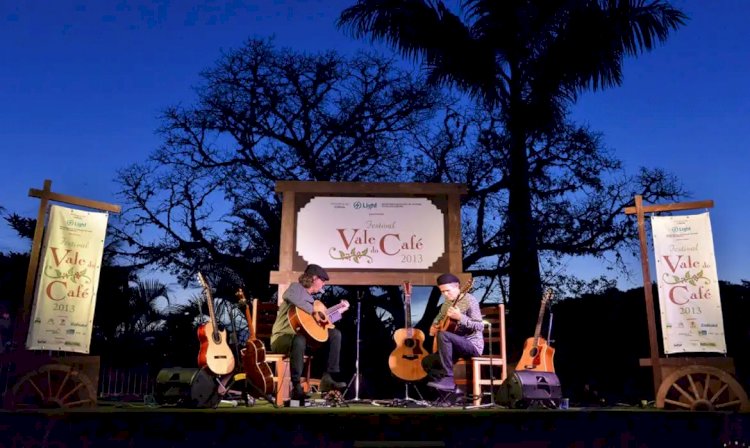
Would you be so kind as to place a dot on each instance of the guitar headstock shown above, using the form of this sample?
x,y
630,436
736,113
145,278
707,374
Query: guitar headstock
x,y
467,286
407,289
241,299
547,296
204,284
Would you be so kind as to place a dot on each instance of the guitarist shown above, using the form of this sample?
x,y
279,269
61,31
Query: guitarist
x,y
285,340
466,339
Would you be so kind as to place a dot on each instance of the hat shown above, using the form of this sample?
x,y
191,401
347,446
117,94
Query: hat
x,y
314,269
447,278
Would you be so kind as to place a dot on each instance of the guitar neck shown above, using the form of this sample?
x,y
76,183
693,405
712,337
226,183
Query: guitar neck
x,y
210,301
333,312
407,308
538,329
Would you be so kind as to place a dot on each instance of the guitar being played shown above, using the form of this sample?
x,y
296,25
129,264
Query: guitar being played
x,y
466,339
290,336
537,354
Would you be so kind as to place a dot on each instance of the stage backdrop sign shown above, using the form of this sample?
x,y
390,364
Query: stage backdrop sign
x,y
370,233
65,294
691,319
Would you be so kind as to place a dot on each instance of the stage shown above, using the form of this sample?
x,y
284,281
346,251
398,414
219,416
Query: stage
x,y
368,425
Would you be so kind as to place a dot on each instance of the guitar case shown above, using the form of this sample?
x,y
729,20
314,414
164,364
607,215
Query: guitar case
x,y
527,387
186,387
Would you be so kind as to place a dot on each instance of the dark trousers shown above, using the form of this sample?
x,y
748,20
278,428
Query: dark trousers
x,y
451,348
295,346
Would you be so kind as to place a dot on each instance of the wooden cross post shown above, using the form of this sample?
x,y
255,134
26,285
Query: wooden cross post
x,y
45,195
640,211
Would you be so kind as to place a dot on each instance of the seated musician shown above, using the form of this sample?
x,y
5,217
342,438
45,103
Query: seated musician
x,y
285,340
466,340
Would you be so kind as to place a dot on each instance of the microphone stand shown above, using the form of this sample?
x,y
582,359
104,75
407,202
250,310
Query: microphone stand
x,y
356,376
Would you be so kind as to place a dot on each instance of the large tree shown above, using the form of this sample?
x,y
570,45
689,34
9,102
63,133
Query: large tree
x,y
264,114
528,58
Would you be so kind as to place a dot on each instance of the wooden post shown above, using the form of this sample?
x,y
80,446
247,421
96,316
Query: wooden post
x,y
639,210
45,195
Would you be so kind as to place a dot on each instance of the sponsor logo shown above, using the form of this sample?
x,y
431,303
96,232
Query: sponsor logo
x,y
365,205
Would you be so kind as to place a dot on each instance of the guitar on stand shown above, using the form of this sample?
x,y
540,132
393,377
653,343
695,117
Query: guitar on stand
x,y
405,361
214,352
537,353
258,375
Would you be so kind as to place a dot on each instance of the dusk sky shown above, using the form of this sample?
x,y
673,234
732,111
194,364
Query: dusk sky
x,y
82,84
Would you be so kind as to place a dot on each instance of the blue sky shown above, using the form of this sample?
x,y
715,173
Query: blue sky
x,y
82,84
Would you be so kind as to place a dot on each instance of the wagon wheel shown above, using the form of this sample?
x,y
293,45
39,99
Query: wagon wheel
x,y
701,388
53,386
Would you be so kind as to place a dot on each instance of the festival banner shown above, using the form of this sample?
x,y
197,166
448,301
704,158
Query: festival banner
x,y
370,232
691,319
67,281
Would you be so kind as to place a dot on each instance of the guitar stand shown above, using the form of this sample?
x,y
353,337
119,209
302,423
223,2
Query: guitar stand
x,y
224,389
408,402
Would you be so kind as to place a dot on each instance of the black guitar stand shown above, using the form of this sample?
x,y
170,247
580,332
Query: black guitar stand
x,y
409,402
356,376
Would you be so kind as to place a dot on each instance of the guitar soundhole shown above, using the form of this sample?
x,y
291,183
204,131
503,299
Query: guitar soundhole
x,y
533,352
409,343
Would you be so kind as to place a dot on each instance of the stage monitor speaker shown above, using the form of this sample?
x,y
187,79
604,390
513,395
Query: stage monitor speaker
x,y
186,387
527,387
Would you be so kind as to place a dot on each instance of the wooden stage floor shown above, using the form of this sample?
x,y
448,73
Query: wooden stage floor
x,y
367,425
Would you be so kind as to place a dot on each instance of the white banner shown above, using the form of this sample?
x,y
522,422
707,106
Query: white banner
x,y
65,295
691,319
370,233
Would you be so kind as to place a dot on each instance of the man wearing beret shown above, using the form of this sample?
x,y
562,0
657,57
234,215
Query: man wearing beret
x,y
465,342
285,340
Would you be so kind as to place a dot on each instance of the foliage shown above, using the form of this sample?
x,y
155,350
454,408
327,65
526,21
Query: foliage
x,y
528,59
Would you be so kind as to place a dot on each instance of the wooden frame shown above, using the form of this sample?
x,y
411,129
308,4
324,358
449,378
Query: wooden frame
x,y
296,194
663,367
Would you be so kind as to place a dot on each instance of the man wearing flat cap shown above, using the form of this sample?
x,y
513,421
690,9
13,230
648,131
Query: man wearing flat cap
x,y
285,340
466,339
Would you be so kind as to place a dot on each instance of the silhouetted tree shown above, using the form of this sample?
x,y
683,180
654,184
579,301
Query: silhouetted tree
x,y
529,59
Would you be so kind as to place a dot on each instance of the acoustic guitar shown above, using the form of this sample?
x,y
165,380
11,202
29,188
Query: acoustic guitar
x,y
446,323
537,354
257,371
315,326
406,359
214,351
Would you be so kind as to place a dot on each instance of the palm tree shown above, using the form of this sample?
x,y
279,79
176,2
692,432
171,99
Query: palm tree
x,y
528,58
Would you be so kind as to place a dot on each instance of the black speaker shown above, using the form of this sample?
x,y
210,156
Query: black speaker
x,y
527,387
186,387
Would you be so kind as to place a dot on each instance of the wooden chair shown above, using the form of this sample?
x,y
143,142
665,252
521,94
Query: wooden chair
x,y
264,315
476,374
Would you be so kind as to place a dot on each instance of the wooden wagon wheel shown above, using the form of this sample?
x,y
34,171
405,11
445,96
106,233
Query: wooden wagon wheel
x,y
701,388
53,386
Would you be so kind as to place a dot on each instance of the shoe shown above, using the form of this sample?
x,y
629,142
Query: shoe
x,y
298,393
444,384
327,383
